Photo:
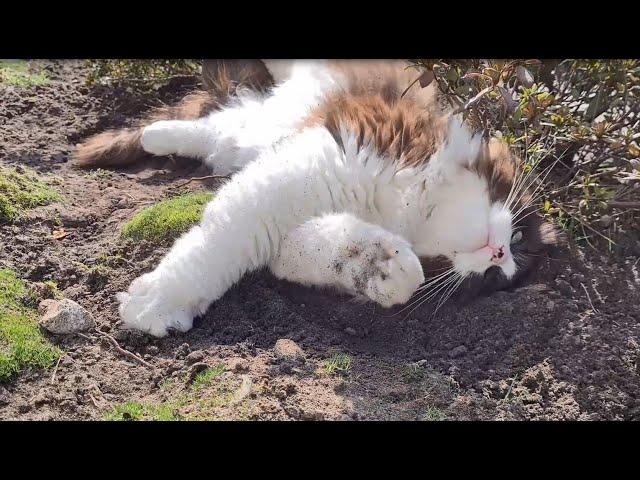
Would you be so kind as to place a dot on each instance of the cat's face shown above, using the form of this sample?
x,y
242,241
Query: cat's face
x,y
486,223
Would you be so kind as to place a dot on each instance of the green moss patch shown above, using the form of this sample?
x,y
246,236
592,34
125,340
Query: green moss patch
x,y
22,345
17,73
211,396
20,189
136,411
168,218
204,378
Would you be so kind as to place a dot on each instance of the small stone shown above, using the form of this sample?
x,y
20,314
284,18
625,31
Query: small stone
x,y
576,279
350,331
195,369
288,349
40,399
64,317
605,221
245,389
238,365
312,416
182,351
551,305
152,350
195,357
285,368
564,288
458,351
4,396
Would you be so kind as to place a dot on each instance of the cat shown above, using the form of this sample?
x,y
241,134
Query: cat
x,y
344,176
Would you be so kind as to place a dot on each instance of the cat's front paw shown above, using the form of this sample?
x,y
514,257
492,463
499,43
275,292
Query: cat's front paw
x,y
146,307
386,271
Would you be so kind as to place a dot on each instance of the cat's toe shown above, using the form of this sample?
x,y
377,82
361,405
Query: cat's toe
x,y
388,272
398,278
145,309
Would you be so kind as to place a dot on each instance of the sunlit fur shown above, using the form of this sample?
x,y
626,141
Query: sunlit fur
x,y
328,192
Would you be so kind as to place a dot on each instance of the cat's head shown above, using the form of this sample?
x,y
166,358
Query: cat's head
x,y
486,220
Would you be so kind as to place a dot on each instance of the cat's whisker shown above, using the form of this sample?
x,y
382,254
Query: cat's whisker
x,y
544,172
429,295
449,293
420,291
421,296
435,279
519,173
524,207
525,216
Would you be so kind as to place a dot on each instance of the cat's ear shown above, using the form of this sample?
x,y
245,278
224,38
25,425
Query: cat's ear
x,y
460,148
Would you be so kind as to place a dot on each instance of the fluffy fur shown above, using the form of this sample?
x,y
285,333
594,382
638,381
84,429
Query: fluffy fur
x,y
340,182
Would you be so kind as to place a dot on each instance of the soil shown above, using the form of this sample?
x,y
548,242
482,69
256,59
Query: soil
x,y
564,346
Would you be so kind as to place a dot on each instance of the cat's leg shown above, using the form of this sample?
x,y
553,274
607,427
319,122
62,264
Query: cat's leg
x,y
187,138
229,139
342,251
240,231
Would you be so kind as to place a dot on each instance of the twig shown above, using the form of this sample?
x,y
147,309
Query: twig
x,y
589,298
471,102
201,178
510,387
127,353
588,226
621,204
94,401
55,370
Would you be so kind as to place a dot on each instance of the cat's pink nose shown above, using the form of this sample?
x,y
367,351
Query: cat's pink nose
x,y
498,254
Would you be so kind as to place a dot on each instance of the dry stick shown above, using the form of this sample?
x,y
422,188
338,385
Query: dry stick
x,y
510,387
588,226
55,370
202,178
589,298
93,400
471,102
127,353
621,204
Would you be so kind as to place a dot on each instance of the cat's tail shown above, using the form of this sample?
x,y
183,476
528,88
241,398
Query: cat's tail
x,y
122,147
221,79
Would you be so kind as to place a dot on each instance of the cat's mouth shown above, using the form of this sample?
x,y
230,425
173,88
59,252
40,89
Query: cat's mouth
x,y
483,258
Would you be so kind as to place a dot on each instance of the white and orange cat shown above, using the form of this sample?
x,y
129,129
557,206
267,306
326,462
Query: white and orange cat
x,y
338,180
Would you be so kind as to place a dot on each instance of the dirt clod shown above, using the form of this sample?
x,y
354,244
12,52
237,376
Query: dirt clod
x,y
195,357
194,370
286,349
182,351
238,365
458,351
